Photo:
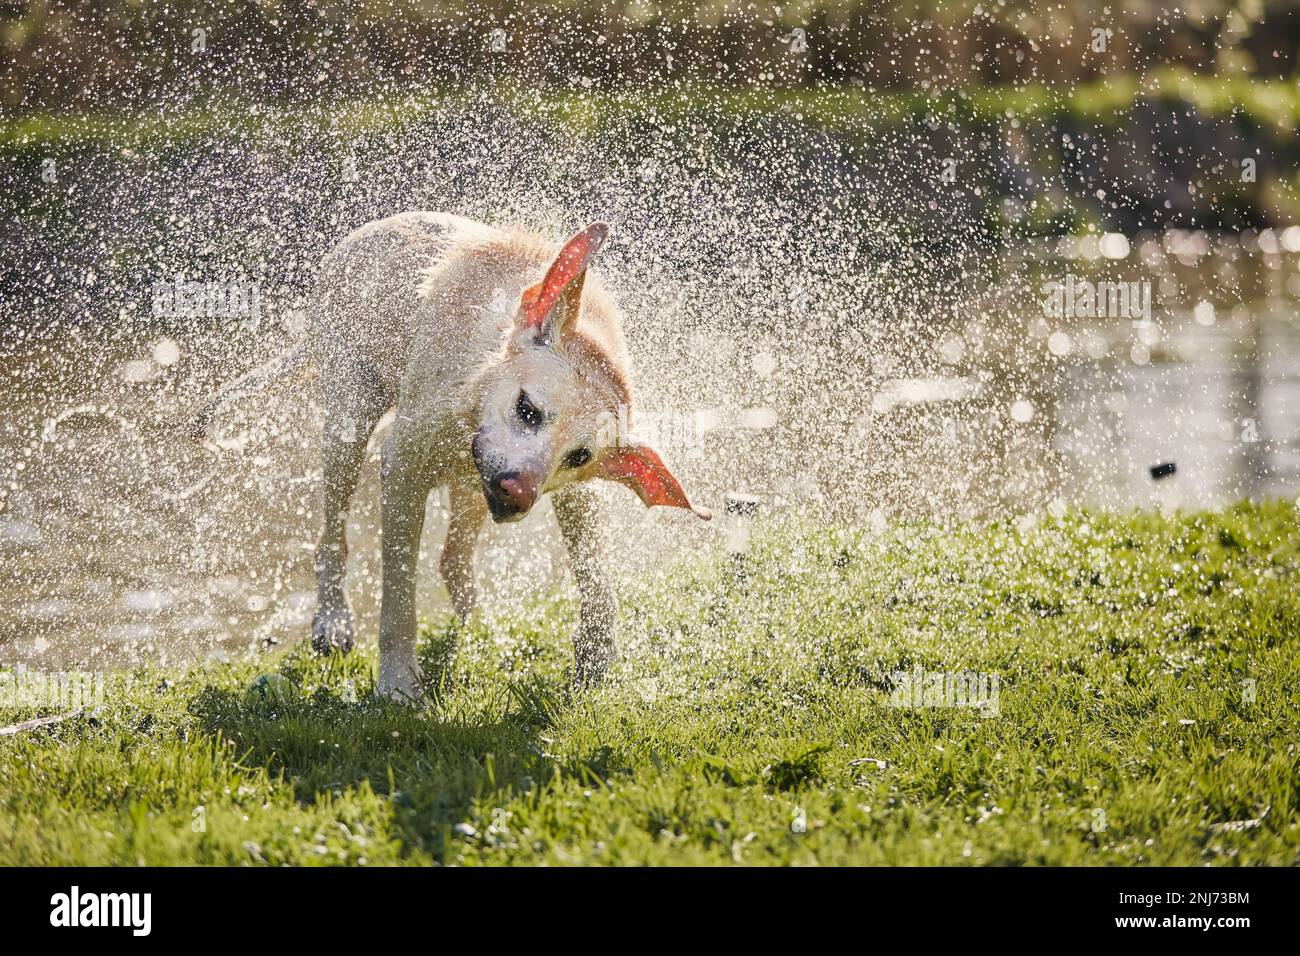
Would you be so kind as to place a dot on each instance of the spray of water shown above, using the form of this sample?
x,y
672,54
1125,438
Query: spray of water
x,y
823,307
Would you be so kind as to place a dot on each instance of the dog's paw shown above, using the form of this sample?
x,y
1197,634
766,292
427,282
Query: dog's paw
x,y
332,630
401,682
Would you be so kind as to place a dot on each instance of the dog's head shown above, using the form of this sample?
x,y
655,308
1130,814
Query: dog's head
x,y
547,404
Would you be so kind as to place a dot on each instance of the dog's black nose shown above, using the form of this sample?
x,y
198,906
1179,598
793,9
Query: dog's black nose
x,y
509,495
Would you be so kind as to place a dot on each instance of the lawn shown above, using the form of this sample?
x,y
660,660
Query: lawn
x,y
1146,670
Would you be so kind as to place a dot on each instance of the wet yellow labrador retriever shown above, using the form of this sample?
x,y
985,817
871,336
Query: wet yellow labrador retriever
x,y
506,365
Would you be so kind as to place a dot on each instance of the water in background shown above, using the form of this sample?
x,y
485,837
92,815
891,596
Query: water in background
x,y
799,334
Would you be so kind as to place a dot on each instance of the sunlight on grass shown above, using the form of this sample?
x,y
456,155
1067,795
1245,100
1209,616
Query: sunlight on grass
x,y
1147,668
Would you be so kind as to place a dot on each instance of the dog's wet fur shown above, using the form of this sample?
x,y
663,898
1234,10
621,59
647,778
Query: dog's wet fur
x,y
507,367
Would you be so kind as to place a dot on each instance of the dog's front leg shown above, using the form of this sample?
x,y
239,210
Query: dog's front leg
x,y
594,649
406,480
348,424
468,512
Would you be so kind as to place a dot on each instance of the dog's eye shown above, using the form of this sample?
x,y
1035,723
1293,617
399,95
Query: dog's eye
x,y
528,413
577,458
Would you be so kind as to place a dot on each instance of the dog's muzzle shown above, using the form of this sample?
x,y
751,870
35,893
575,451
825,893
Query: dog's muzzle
x,y
509,494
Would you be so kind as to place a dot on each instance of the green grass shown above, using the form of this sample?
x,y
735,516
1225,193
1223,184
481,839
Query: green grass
x,y
744,705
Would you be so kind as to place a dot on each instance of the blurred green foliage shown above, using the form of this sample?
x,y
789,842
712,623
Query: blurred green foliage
x,y
69,54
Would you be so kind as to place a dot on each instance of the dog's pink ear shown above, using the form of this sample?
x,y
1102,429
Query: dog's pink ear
x,y
562,285
641,469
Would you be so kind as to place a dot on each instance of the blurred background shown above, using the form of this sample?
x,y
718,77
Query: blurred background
x,y
835,224
96,55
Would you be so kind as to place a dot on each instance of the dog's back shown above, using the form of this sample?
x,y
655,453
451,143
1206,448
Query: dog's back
x,y
437,283
365,311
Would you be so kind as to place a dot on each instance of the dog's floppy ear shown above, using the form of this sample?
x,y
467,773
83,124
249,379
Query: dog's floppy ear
x,y
547,306
641,469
